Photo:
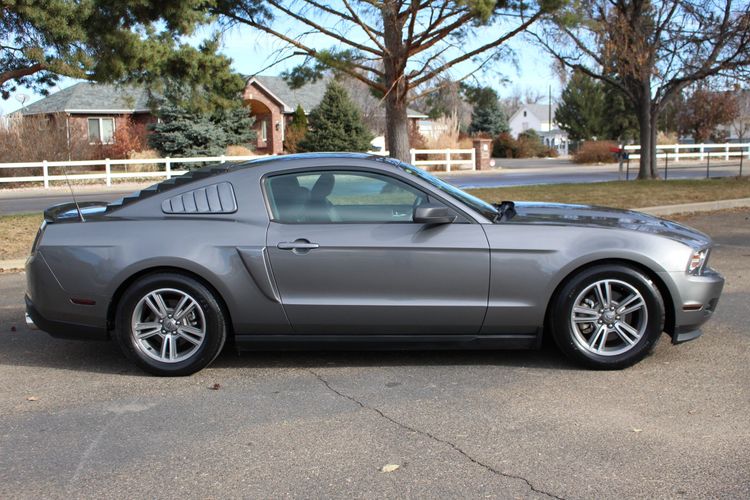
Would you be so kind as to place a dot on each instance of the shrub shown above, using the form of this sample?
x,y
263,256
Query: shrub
x,y
530,145
129,138
595,152
239,151
416,139
505,146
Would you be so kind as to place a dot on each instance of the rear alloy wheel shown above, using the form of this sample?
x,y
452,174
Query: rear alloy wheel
x,y
170,324
608,317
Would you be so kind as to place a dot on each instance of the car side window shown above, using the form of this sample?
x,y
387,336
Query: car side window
x,y
343,197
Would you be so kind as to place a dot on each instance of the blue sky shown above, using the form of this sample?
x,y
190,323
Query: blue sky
x,y
252,51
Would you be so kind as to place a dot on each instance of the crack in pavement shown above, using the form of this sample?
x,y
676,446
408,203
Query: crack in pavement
x,y
432,437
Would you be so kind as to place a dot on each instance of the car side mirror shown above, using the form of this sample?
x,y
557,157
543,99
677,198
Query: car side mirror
x,y
431,213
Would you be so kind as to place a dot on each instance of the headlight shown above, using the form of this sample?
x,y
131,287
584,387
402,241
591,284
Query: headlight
x,y
697,262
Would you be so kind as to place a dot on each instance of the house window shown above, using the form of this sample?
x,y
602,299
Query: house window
x,y
101,130
264,130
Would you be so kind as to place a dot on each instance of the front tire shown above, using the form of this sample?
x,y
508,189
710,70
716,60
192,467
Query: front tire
x,y
170,324
607,317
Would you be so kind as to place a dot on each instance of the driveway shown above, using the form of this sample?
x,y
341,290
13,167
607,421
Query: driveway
x,y
77,420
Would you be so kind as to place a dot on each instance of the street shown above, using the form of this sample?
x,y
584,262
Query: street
x,y
513,173
79,421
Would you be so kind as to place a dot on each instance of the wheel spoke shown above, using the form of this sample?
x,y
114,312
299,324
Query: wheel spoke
x,y
588,315
627,332
634,307
155,302
169,347
181,310
147,330
192,335
597,336
603,290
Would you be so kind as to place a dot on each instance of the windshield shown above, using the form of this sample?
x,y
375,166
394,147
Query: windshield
x,y
475,203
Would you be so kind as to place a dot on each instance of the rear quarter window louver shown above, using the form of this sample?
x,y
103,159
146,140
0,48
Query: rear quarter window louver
x,y
213,199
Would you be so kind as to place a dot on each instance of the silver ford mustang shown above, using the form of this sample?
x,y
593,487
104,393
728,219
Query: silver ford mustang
x,y
360,251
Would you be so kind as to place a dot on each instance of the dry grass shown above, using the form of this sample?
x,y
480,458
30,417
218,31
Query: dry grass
x,y
17,231
17,234
621,194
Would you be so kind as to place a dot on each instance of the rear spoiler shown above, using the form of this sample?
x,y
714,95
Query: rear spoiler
x,y
68,212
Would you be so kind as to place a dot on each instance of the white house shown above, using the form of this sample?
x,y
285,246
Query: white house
x,y
537,117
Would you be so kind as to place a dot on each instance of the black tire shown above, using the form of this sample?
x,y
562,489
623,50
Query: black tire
x,y
210,315
569,341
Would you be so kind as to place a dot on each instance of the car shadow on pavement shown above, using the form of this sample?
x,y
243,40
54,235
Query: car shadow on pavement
x,y
34,348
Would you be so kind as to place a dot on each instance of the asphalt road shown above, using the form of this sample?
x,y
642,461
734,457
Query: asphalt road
x,y
513,173
77,420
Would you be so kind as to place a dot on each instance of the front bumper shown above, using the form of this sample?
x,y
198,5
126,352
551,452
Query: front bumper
x,y
695,300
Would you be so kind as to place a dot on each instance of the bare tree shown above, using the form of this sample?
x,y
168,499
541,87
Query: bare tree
x,y
704,110
395,47
741,124
651,50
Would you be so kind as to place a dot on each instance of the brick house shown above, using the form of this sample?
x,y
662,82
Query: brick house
x,y
90,113
273,102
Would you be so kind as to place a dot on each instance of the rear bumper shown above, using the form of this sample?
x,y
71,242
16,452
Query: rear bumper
x,y
60,329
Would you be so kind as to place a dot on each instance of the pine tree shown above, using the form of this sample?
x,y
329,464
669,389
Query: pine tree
x,y
183,133
582,108
487,116
336,124
296,130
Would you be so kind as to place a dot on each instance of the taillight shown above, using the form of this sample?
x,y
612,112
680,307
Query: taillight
x,y
38,237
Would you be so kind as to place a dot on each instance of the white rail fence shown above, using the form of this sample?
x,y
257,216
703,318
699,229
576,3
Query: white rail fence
x,y
463,159
109,170
700,152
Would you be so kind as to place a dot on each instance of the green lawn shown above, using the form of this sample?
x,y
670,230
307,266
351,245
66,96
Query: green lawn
x,y
17,231
621,194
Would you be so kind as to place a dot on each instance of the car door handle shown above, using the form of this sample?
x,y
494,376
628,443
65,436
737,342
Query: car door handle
x,y
300,244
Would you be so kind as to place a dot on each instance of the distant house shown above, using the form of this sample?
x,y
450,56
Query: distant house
x,y
537,117
91,113
273,102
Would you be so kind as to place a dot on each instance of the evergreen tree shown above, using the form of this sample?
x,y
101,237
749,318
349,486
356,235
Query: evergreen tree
x,y
582,108
237,124
296,130
620,121
184,133
487,116
336,124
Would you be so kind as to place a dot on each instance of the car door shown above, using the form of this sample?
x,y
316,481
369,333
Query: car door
x,y
348,259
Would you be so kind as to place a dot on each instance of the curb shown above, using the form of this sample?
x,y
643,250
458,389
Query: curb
x,y
705,206
13,265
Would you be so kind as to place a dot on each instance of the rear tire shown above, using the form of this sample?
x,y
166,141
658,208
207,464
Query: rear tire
x,y
607,317
170,324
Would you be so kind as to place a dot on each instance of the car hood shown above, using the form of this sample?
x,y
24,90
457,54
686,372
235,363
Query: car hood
x,y
603,217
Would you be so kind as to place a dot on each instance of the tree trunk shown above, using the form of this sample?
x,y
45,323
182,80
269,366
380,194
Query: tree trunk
x,y
647,136
397,126
394,64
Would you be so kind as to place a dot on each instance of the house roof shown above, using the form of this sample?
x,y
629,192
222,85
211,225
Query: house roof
x,y
88,98
541,111
308,95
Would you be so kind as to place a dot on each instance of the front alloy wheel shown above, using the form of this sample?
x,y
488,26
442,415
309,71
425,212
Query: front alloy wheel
x,y
607,316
